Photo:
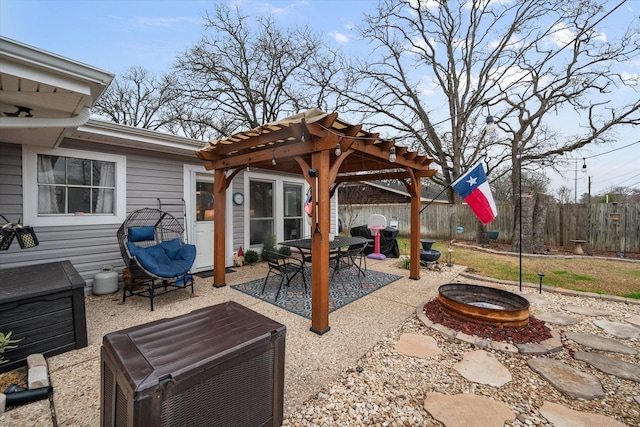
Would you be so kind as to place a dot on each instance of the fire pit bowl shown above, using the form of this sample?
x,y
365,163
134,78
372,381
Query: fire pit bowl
x,y
482,304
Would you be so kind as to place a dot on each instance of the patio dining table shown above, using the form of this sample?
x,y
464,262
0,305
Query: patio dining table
x,y
339,242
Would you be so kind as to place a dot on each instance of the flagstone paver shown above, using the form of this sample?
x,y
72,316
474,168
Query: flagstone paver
x,y
484,368
620,330
585,311
610,365
467,410
558,318
634,320
537,299
597,342
562,416
417,345
567,379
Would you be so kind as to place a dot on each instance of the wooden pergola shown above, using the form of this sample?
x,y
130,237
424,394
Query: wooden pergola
x,y
306,144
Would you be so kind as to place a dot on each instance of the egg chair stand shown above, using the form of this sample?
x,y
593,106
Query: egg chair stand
x,y
155,254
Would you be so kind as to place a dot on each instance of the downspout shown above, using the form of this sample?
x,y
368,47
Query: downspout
x,y
35,122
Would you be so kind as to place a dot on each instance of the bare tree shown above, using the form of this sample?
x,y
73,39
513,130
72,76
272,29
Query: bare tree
x,y
249,72
138,98
473,56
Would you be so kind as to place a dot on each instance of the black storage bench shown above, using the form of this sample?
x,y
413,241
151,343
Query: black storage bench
x,y
217,366
42,305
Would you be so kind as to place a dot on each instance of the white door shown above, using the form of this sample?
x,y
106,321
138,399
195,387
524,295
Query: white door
x,y
203,228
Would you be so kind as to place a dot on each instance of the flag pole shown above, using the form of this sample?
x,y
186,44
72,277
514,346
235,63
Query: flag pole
x,y
435,198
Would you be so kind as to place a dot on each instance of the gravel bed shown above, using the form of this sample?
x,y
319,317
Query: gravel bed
x,y
386,388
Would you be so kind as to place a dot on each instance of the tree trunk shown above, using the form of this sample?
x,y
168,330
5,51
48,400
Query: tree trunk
x,y
481,233
527,225
540,221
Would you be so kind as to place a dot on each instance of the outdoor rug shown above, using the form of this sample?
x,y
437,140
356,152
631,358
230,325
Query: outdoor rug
x,y
344,288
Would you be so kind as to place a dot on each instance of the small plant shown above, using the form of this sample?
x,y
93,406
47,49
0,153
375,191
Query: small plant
x,y
269,244
285,250
404,262
251,256
6,343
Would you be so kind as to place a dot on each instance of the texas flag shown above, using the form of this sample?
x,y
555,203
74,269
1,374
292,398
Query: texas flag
x,y
473,187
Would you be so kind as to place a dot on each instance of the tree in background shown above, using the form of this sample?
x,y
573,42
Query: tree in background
x,y
250,73
436,68
139,98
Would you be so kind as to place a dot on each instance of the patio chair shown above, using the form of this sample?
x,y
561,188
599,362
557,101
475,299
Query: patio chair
x,y
285,267
354,256
154,253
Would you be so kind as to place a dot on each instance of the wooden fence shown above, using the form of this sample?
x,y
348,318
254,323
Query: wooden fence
x,y
595,222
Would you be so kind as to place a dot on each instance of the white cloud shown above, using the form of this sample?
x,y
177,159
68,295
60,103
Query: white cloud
x,y
339,37
167,22
561,35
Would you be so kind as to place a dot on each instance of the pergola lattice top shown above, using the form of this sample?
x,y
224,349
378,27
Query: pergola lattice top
x,y
311,131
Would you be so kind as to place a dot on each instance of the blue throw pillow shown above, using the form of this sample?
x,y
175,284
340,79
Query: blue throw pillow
x,y
139,234
172,247
187,253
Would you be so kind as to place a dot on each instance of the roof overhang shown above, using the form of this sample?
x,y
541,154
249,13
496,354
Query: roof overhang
x,y
43,96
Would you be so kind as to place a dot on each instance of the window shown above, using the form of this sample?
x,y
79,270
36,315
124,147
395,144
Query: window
x,y
292,210
260,211
68,187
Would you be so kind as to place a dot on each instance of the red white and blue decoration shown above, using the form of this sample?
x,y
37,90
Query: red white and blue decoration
x,y
474,188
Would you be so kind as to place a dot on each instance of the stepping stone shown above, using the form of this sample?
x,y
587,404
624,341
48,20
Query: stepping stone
x,y
482,367
567,379
620,330
634,320
557,318
536,299
610,365
467,410
600,343
559,415
585,311
417,345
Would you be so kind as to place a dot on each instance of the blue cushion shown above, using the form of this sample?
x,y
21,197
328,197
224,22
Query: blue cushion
x,y
187,253
139,234
134,249
172,247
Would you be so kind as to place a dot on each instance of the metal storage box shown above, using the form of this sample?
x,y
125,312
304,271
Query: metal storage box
x,y
218,366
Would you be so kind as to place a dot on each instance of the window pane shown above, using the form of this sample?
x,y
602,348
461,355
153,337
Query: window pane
x,y
79,200
259,230
292,228
261,199
51,199
102,200
104,174
78,171
51,170
292,200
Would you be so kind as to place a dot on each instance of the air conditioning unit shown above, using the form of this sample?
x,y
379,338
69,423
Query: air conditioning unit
x,y
217,366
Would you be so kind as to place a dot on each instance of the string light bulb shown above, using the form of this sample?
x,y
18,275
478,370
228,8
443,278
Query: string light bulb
x,y
338,150
392,154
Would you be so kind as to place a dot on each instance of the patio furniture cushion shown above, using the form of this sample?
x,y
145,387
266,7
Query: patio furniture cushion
x,y
156,258
139,234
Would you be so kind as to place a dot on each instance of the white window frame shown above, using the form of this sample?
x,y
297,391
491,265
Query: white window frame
x,y
30,188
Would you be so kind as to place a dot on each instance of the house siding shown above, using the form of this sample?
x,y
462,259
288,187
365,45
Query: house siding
x,y
150,175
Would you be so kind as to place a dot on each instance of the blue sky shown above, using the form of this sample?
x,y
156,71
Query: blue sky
x,y
118,34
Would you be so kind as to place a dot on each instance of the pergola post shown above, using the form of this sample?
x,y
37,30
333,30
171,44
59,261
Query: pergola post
x,y
219,225
320,243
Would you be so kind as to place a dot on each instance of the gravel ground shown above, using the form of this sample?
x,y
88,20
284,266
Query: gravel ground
x,y
386,388
352,375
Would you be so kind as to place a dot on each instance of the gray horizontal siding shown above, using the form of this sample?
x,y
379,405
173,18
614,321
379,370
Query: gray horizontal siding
x,y
149,175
